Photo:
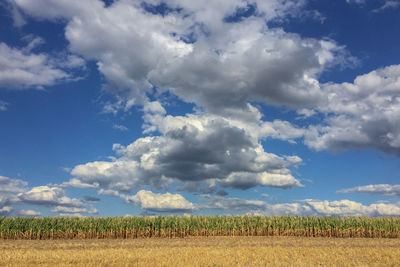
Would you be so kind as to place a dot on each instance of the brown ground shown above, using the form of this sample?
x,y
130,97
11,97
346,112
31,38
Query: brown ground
x,y
215,251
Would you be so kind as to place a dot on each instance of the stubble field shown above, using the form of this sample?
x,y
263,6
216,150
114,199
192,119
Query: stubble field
x,y
203,251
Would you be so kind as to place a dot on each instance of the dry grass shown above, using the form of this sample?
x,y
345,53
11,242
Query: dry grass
x,y
212,251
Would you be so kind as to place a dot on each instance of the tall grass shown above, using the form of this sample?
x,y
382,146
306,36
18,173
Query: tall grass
x,y
174,226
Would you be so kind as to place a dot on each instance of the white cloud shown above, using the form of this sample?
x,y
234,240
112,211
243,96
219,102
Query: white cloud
x,y
193,149
389,4
246,60
365,114
231,204
15,192
153,202
352,208
9,185
120,127
28,213
49,195
5,210
9,189
74,210
305,113
380,189
355,1
246,180
73,61
110,192
77,183
306,207
22,69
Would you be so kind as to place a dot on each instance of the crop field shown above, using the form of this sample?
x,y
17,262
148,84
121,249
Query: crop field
x,y
200,241
203,251
195,226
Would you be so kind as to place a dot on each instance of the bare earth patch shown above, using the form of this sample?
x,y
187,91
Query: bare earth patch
x,y
212,251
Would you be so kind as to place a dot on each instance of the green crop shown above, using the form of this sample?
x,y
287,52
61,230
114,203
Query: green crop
x,y
174,226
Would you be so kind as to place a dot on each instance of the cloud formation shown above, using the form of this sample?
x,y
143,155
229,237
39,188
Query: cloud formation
x,y
73,210
193,51
22,68
365,114
5,210
192,149
50,196
308,207
225,67
379,189
28,213
9,189
154,202
15,192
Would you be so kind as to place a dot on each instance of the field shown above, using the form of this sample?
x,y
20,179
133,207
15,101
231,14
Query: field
x,y
195,226
200,241
203,251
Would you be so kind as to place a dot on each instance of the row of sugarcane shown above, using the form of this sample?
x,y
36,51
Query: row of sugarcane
x,y
192,226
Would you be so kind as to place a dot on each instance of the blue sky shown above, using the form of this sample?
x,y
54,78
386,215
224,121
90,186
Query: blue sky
x,y
109,108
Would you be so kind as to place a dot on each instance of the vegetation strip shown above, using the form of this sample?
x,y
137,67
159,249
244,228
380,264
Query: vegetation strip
x,y
187,226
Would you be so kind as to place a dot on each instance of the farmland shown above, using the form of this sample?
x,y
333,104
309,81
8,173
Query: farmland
x,y
200,241
203,251
196,226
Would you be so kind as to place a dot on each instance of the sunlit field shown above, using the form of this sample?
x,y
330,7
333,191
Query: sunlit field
x,y
203,251
200,241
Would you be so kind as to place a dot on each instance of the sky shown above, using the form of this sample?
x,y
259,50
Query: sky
x,y
260,107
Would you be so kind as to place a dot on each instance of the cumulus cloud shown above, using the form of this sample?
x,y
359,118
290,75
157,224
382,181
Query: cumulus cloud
x,y
154,202
194,51
28,213
9,185
379,189
5,210
246,180
77,183
352,208
366,114
15,192
22,68
192,149
9,189
49,195
231,204
306,207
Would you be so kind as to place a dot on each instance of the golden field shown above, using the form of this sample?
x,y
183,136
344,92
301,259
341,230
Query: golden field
x,y
203,251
